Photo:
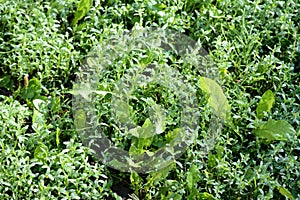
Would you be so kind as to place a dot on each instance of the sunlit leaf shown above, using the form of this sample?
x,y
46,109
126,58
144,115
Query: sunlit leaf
x,y
123,111
285,192
275,130
57,136
38,103
171,135
192,177
216,98
33,89
265,104
82,8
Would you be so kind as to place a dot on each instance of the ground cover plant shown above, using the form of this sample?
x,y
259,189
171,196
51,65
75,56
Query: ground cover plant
x,y
255,47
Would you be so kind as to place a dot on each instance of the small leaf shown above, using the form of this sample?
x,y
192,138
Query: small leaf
x,y
265,104
275,130
135,179
285,192
217,99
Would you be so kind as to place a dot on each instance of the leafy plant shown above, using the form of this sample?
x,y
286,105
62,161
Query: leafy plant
x,y
272,129
255,48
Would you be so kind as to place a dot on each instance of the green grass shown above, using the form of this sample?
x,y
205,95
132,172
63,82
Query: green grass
x,y
254,45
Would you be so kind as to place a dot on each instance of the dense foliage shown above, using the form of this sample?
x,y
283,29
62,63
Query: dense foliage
x,y
255,46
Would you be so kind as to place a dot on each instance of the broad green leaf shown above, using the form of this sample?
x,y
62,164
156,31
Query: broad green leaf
x,y
265,104
192,177
285,192
82,8
80,119
275,130
216,98
159,6
136,152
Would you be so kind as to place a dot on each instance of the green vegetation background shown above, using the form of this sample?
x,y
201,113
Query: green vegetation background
x,y
255,45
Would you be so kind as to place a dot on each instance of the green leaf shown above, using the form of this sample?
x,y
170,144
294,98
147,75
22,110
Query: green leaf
x,y
285,192
57,136
265,104
82,8
275,130
135,179
33,90
146,131
171,135
207,196
216,98
159,6
156,176
192,177
39,104
123,111
6,81
38,120
157,114
138,147
41,152
80,119
85,90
